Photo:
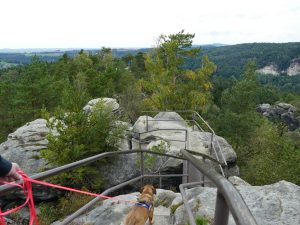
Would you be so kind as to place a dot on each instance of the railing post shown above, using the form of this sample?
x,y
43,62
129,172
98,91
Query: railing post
x,y
147,123
193,118
203,176
160,180
186,142
211,143
142,161
221,210
185,171
187,207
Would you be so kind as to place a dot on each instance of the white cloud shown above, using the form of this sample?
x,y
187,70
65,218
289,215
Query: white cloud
x,y
137,23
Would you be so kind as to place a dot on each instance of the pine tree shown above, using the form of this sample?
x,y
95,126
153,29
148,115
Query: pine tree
x,y
169,85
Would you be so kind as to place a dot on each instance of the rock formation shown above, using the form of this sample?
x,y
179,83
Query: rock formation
x,y
286,113
275,204
24,144
272,69
271,204
294,68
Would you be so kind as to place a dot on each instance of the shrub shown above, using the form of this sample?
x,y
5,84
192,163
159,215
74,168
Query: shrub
x,y
81,135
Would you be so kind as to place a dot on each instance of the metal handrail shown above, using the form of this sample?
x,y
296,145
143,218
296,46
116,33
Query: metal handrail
x,y
226,190
213,134
228,197
185,200
52,172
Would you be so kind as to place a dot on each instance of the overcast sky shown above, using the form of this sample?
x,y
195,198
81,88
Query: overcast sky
x,y
138,23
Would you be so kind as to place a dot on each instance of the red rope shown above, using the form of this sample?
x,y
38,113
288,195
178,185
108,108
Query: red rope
x,y
27,189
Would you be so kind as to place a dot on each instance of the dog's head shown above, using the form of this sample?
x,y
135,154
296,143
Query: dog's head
x,y
147,194
148,189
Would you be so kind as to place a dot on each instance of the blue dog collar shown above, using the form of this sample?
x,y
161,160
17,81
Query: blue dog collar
x,y
143,204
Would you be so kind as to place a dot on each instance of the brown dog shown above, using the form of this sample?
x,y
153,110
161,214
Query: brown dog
x,y
143,209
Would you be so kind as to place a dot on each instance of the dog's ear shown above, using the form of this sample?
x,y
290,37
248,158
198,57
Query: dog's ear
x,y
142,189
154,190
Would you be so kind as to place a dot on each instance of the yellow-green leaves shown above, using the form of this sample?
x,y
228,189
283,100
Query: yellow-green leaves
x,y
170,86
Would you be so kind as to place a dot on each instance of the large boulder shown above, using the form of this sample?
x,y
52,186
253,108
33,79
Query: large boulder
x,y
275,204
23,146
113,212
110,103
222,150
172,128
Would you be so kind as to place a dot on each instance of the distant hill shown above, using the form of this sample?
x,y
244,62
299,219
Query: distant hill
x,y
24,56
230,59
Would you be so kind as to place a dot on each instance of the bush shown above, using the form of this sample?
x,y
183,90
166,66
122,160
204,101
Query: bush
x,y
82,135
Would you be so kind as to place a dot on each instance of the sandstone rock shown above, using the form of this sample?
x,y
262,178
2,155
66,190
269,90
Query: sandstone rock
x,y
270,70
284,112
276,204
294,68
108,102
238,181
23,146
113,212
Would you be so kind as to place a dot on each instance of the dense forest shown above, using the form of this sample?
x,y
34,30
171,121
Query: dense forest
x,y
164,79
230,60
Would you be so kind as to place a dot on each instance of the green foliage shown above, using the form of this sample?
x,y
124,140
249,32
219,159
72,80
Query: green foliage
x,y
265,152
175,206
290,84
238,128
131,100
151,159
24,92
243,96
238,118
169,86
136,64
48,214
200,220
5,65
59,210
271,157
82,135
67,83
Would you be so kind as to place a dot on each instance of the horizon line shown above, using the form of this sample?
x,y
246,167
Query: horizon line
x,y
2,50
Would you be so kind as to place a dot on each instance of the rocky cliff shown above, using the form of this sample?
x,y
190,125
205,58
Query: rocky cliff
x,y
272,69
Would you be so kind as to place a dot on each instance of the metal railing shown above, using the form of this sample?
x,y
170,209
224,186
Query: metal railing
x,y
228,198
216,150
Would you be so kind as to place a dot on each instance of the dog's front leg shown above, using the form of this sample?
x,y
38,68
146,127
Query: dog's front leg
x,y
151,217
